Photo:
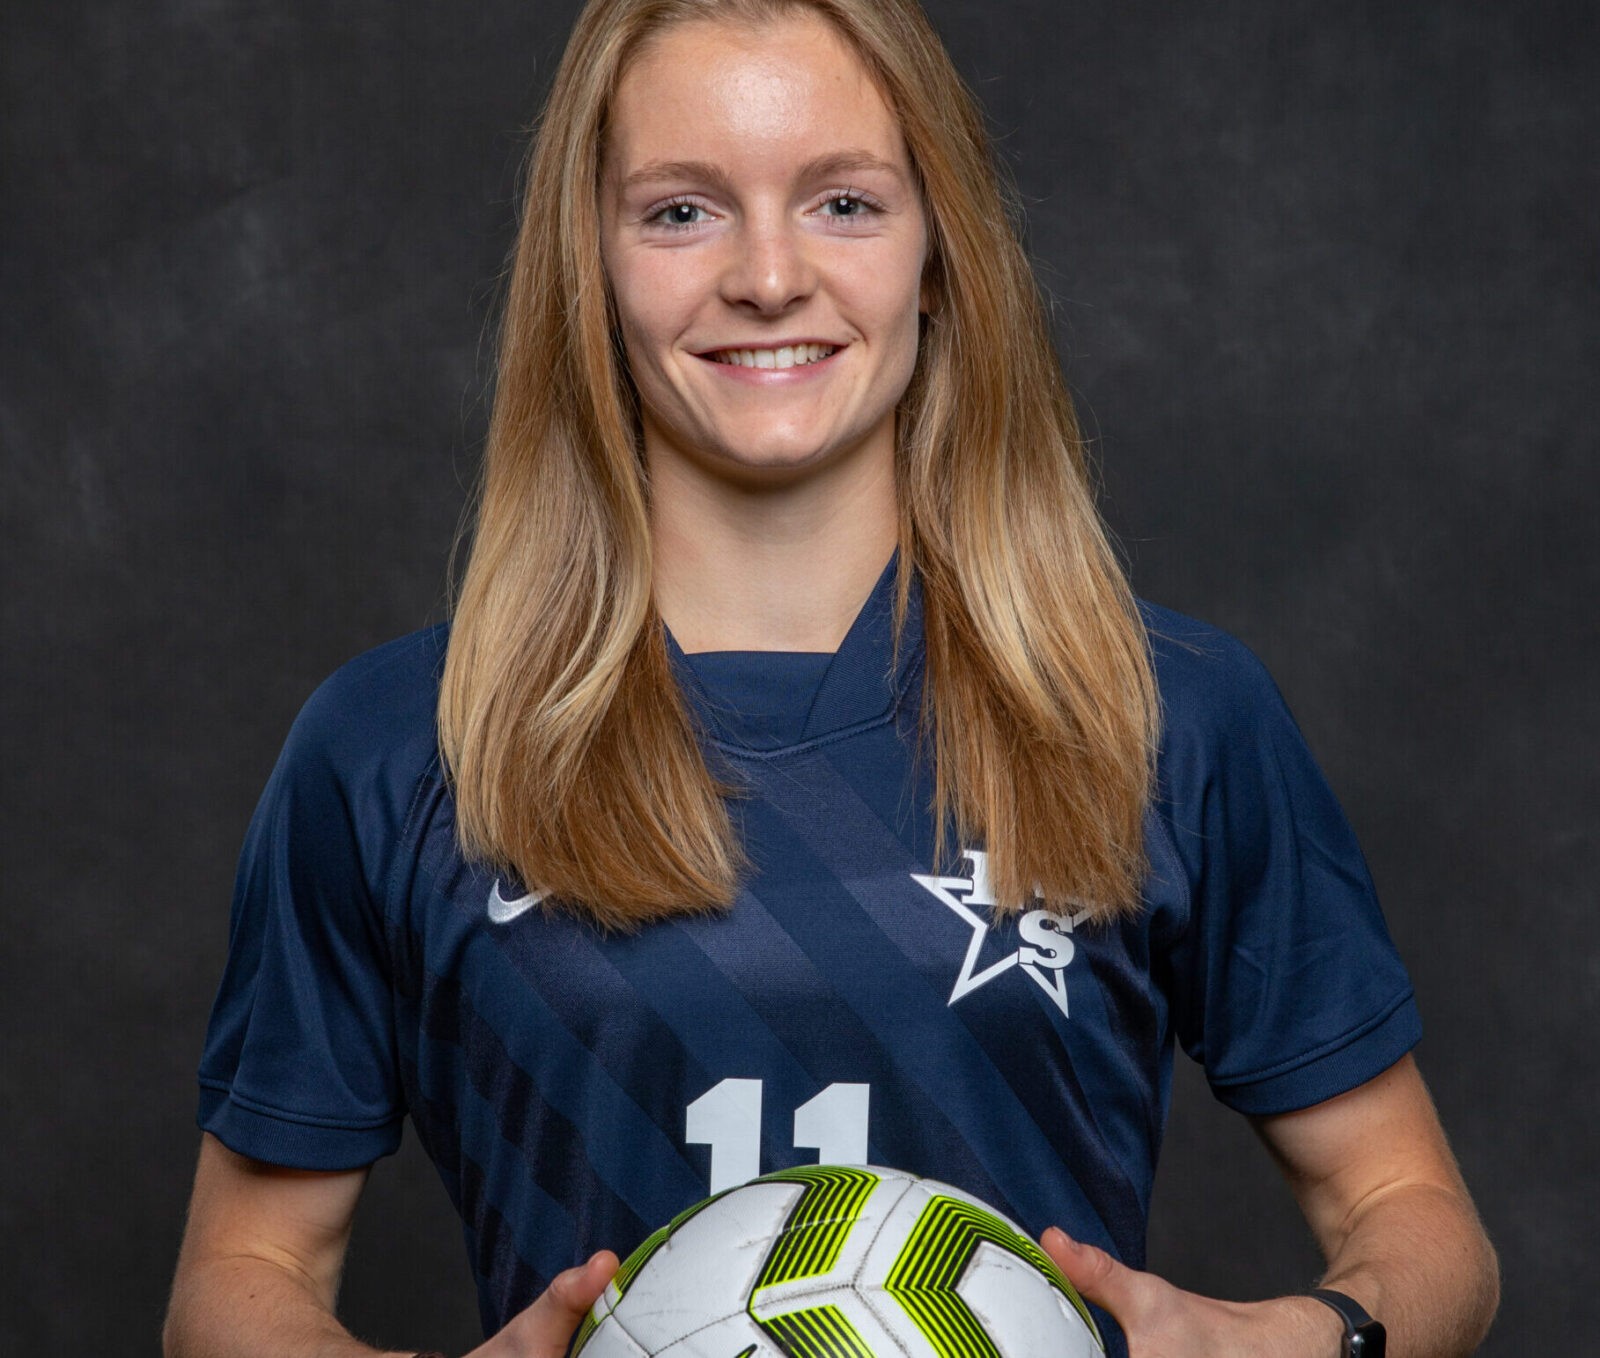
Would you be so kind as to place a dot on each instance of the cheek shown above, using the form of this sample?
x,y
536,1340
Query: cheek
x,y
890,292
887,284
654,297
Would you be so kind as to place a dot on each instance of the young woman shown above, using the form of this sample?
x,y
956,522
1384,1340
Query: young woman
x,y
797,778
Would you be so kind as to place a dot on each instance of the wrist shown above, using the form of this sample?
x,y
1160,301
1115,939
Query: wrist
x,y
1294,1326
1361,1336
1319,1332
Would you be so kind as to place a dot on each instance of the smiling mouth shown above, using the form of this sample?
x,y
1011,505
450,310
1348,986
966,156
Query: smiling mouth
x,y
789,356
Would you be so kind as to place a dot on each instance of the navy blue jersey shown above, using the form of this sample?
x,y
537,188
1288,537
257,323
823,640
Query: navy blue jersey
x,y
577,1090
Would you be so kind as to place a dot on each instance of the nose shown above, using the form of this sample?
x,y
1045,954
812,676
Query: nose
x,y
770,269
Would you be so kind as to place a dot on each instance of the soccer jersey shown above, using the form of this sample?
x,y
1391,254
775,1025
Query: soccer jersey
x,y
576,1090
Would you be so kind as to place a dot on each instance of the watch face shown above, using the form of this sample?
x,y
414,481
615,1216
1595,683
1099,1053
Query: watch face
x,y
1367,1341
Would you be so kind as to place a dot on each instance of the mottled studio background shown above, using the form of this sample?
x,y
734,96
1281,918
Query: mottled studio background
x,y
1325,281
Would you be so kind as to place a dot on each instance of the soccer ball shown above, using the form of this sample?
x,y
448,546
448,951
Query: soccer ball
x,y
834,1261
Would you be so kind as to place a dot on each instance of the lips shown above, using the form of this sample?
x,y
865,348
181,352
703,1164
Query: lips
x,y
796,355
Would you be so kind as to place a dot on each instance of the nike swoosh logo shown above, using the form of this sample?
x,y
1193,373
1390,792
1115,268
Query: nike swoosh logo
x,y
502,911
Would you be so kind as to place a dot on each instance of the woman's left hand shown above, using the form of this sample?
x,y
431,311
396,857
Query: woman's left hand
x,y
1163,1321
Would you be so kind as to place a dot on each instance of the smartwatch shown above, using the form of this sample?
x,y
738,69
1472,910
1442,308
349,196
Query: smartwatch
x,y
1364,1337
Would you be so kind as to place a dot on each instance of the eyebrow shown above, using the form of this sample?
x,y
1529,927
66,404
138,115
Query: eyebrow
x,y
837,162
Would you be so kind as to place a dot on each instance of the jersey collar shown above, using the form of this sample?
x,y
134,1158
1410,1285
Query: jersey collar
x,y
863,685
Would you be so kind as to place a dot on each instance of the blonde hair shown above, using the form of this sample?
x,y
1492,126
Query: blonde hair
x,y
573,758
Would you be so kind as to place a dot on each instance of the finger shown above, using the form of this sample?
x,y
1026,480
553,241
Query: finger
x,y
1097,1276
546,1328
572,1292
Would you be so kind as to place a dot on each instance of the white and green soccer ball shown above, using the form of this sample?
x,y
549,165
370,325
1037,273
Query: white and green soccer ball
x,y
834,1261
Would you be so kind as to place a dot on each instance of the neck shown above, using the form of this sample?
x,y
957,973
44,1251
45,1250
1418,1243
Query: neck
x,y
785,568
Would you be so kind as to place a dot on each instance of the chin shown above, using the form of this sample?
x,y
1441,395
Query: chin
x,y
757,455
767,451
776,460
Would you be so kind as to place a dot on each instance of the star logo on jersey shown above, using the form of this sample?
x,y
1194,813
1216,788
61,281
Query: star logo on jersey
x,y
1046,947
502,911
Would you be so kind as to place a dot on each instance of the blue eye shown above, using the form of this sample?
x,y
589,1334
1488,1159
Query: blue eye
x,y
680,214
846,206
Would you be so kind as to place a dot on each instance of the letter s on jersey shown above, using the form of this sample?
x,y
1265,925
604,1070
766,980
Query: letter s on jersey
x,y
1046,943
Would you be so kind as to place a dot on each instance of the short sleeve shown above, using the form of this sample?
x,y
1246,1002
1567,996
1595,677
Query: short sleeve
x,y
1286,985
299,1066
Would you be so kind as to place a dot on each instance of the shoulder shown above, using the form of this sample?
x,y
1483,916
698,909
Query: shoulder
x,y
1213,688
375,712
1232,756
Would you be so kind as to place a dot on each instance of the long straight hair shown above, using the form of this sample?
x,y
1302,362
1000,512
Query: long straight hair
x,y
574,761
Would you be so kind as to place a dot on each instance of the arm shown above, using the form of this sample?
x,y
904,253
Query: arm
x,y
258,1273
1377,1183
259,1269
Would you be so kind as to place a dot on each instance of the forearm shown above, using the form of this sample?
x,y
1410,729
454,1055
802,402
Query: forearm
x,y
247,1307
1417,1258
1381,1192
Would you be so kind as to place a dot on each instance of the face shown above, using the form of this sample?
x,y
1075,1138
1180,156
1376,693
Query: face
x,y
764,240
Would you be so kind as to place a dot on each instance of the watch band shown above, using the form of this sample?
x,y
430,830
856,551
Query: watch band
x,y
1364,1337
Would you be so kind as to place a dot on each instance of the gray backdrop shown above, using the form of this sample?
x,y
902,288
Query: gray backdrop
x,y
1324,277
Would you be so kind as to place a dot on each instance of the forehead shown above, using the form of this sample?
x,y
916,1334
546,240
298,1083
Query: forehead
x,y
735,93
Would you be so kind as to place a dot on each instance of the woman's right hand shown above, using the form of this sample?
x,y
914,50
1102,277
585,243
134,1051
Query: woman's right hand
x,y
546,1328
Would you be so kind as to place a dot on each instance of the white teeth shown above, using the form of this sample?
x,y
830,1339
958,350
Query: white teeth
x,y
790,356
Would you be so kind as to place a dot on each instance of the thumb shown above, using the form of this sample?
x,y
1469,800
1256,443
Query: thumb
x,y
571,1293
1098,1277
546,1328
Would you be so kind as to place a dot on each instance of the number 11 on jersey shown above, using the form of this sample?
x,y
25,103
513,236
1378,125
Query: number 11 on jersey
x,y
727,1117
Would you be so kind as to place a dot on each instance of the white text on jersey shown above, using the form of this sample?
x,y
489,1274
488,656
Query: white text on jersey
x,y
1046,947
